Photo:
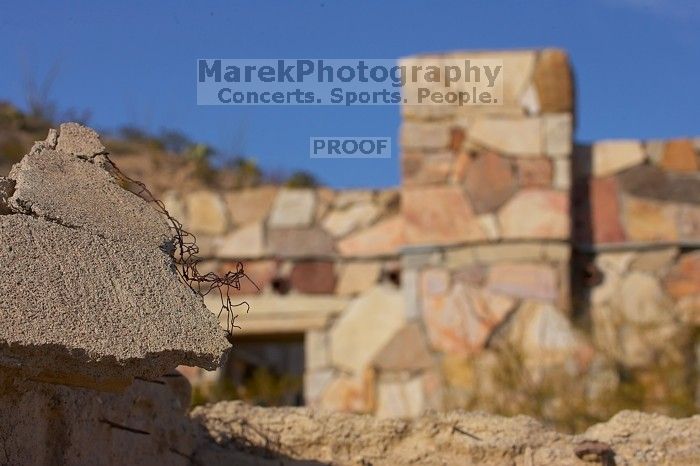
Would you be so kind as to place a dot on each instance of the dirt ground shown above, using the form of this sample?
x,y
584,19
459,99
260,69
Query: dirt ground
x,y
246,435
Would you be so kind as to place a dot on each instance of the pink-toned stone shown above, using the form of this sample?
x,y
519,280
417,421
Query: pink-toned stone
x,y
536,213
679,155
427,168
684,278
313,277
688,220
460,322
535,172
649,220
349,394
605,211
490,181
383,238
407,350
523,280
439,215
250,205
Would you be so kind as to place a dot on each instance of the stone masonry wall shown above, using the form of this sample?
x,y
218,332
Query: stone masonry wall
x,y
509,261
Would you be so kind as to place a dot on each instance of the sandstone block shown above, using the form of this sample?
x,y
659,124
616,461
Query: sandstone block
x,y
400,398
610,157
605,211
406,351
382,239
523,280
299,242
206,213
313,277
243,243
512,136
438,215
292,208
341,222
250,205
554,81
365,327
317,354
357,277
684,278
535,213
648,220
557,134
427,136
679,156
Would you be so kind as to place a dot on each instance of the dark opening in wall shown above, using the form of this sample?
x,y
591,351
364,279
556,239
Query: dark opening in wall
x,y
267,370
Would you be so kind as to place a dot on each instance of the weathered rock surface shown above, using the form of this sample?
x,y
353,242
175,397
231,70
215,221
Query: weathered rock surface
x,y
90,293
303,436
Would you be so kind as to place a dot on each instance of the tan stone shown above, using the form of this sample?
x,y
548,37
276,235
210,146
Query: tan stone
x,y
508,252
489,225
366,326
610,157
554,81
556,252
654,261
642,301
648,220
543,334
684,278
688,221
357,277
535,172
459,257
562,174
316,350
382,239
688,309
206,213
400,399
524,280
292,208
679,155
520,137
341,222
300,242
243,243
348,197
349,394
458,371
315,384
530,101
535,213
557,132
250,205
406,351
655,150
438,215
422,135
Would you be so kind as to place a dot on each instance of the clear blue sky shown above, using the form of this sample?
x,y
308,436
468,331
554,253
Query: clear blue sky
x,y
637,63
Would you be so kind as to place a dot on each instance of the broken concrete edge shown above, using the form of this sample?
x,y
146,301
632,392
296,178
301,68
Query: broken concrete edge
x,y
84,144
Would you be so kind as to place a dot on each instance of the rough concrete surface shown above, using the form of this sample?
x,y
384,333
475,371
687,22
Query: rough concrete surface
x,y
241,434
87,286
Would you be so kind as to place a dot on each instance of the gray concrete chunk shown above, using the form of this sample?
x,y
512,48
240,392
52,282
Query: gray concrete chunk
x,y
75,139
77,303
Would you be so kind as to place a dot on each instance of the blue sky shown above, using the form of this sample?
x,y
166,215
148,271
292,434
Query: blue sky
x,y
637,64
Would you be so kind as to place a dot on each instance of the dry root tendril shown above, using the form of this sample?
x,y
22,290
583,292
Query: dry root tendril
x,y
186,258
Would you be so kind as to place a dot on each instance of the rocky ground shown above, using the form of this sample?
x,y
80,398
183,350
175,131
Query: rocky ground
x,y
239,434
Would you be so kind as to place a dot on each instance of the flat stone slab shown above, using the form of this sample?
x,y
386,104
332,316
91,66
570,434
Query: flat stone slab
x,y
88,286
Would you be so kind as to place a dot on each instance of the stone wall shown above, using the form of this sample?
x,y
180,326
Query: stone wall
x,y
510,261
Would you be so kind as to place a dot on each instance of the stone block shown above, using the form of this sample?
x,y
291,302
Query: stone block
x,y
654,261
554,81
75,139
250,205
508,252
605,222
688,222
438,215
460,257
522,280
206,213
489,225
648,220
315,384
542,334
642,301
610,157
243,243
381,239
536,213
292,208
313,277
260,274
684,277
341,222
347,393
348,197
300,242
535,173
400,399
557,133
366,327
562,174
357,277
490,181
406,351
425,136
317,351
679,156
511,136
